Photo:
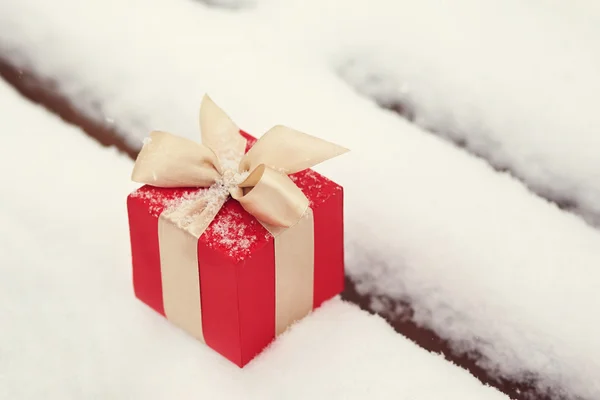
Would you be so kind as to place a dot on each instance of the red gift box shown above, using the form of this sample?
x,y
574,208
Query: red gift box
x,y
241,297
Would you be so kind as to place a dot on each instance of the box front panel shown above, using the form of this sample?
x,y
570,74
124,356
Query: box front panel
x,y
220,303
256,289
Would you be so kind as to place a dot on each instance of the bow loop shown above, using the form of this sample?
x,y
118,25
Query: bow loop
x,y
221,134
289,151
167,160
272,197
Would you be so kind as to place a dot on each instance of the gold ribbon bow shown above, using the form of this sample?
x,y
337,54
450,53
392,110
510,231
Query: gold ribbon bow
x,y
258,179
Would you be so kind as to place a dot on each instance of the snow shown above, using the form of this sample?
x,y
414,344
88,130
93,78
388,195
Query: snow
x,y
72,329
483,261
516,82
234,236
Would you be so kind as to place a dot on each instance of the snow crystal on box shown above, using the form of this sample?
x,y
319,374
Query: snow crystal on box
x,y
233,236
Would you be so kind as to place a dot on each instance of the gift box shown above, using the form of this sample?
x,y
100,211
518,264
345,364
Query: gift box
x,y
241,276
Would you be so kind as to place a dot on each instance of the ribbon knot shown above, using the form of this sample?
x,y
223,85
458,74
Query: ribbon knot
x,y
258,179
230,180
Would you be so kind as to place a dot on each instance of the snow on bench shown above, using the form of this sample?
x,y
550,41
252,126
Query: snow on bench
x,y
72,328
516,83
482,261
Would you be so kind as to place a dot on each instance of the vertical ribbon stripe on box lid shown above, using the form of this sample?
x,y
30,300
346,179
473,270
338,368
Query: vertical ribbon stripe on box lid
x,y
259,181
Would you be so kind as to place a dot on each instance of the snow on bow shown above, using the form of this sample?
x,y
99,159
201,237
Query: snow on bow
x,y
258,179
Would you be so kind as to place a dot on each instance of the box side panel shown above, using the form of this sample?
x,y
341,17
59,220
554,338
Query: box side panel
x,y
329,248
219,301
143,230
256,290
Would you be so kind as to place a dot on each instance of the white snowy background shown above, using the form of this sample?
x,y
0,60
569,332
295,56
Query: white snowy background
x,y
485,258
71,328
